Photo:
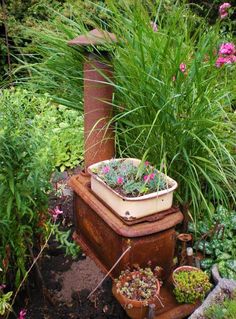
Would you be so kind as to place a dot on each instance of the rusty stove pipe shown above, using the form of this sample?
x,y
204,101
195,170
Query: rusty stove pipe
x,y
98,91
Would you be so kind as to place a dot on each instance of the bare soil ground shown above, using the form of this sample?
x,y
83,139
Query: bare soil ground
x,y
67,282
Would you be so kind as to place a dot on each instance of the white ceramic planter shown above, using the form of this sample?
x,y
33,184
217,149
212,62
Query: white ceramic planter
x,y
135,207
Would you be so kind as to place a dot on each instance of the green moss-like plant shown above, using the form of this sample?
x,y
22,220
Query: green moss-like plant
x,y
191,286
224,310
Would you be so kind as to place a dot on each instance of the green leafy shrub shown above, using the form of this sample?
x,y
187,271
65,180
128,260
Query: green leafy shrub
x,y
65,130
24,180
29,151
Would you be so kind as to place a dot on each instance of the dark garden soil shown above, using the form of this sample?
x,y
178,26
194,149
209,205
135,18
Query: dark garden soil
x,y
67,282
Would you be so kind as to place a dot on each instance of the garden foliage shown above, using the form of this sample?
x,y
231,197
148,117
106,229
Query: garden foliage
x,y
35,138
24,181
171,96
216,240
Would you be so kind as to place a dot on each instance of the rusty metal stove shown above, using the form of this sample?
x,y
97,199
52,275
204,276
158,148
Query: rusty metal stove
x,y
102,235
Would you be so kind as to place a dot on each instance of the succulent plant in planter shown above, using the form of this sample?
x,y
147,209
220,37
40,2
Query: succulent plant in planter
x,y
191,284
131,187
135,290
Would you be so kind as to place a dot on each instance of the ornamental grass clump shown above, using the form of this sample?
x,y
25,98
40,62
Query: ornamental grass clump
x,y
141,285
190,285
130,180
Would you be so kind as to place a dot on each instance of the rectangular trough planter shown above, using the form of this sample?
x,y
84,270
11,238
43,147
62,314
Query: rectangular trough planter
x,y
132,207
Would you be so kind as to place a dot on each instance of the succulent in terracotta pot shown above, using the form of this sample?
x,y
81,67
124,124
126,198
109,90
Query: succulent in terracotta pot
x,y
191,284
136,290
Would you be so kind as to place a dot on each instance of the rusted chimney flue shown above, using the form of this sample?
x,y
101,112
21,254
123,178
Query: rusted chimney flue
x,y
98,92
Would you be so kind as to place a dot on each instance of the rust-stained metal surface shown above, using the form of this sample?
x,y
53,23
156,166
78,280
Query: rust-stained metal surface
x,y
105,237
93,37
98,134
184,238
172,309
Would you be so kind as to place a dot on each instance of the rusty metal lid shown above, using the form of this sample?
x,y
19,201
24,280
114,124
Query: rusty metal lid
x,y
94,37
80,185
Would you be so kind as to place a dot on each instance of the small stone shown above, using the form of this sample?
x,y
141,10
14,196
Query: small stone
x,y
105,309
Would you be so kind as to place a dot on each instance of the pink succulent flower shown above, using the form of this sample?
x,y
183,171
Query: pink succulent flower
x,y
106,169
182,67
22,314
227,49
55,213
152,175
120,180
154,26
223,10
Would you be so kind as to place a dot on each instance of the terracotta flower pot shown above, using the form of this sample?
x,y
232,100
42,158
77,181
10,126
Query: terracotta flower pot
x,y
183,268
191,292
135,309
132,207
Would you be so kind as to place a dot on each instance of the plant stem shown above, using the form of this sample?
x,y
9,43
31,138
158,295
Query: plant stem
x,y
29,270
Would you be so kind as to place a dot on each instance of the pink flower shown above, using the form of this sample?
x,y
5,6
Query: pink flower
x,y
152,175
22,314
154,26
147,163
182,67
120,180
55,213
149,177
2,286
106,169
227,49
225,60
223,10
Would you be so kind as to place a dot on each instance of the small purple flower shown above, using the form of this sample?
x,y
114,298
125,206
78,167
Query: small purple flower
x,y
55,213
182,67
227,48
22,314
120,180
223,10
154,26
106,169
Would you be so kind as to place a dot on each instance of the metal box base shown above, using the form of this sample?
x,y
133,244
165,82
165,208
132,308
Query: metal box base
x,y
104,237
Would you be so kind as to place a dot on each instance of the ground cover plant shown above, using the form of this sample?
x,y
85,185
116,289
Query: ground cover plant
x,y
216,240
225,309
